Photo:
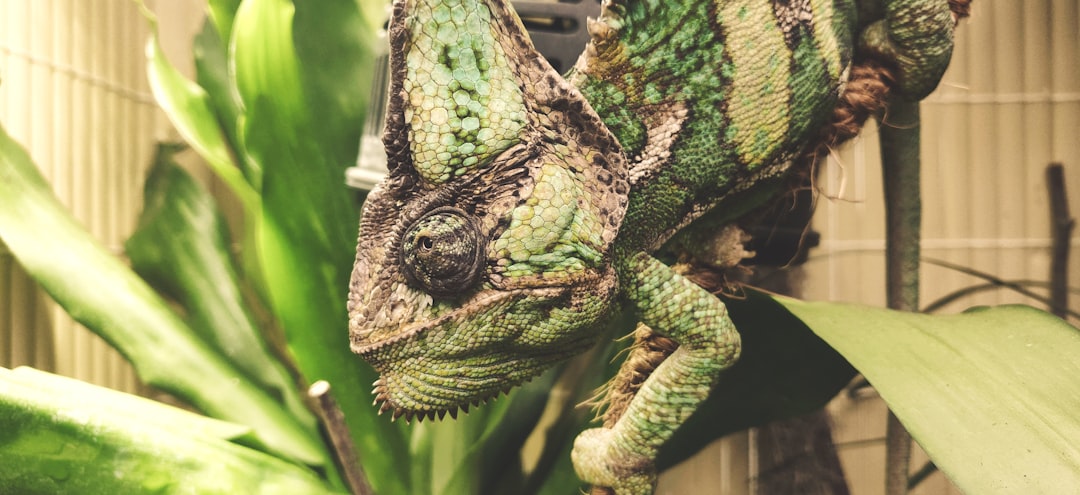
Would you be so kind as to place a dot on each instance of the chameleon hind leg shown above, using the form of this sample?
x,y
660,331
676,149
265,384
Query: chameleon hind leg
x,y
622,457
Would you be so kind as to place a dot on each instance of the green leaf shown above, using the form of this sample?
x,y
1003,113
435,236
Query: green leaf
x,y
181,246
307,229
212,75
333,47
189,108
785,370
222,13
60,436
97,290
992,394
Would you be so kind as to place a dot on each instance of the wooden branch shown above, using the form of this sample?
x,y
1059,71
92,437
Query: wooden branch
x,y
344,451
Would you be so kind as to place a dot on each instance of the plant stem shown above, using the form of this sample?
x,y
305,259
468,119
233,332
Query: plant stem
x,y
899,134
1061,227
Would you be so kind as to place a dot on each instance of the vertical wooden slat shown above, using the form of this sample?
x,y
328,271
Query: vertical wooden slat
x,y
63,180
1064,64
983,163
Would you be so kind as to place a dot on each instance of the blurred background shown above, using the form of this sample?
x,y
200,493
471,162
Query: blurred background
x,y
73,89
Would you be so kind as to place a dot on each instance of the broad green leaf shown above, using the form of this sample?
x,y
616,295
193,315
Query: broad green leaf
x,y
992,394
61,436
307,229
181,246
784,370
213,75
189,109
114,404
333,47
421,458
97,290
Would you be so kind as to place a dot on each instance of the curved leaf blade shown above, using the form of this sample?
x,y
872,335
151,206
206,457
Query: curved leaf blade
x,y
190,109
991,395
181,246
97,290
63,436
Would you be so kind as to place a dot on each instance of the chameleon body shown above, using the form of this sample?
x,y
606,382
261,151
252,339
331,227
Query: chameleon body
x,y
522,209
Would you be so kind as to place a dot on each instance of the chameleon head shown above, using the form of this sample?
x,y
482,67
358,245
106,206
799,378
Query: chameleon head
x,y
485,256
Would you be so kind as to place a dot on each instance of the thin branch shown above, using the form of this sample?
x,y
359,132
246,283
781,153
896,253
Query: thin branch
x,y
344,449
919,476
1019,286
1011,285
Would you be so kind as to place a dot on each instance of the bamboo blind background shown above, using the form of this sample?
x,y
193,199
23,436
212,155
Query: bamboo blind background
x,y
74,92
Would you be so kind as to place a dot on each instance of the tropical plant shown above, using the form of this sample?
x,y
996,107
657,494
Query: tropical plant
x,y
275,111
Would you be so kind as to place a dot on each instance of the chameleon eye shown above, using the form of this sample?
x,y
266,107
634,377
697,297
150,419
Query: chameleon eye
x,y
441,252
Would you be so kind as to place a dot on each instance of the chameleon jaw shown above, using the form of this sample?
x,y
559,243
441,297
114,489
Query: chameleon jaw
x,y
414,391
385,403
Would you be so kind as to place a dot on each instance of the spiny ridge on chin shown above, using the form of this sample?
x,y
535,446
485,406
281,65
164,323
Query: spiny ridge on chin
x,y
385,403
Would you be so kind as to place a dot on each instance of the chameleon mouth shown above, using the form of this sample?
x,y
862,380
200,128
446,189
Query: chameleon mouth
x,y
407,385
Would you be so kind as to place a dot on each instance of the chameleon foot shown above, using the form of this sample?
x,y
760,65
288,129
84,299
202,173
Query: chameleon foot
x,y
600,461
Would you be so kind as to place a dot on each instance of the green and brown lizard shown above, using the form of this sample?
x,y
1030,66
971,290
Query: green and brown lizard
x,y
523,209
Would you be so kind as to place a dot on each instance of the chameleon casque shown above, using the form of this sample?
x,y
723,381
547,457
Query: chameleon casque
x,y
523,209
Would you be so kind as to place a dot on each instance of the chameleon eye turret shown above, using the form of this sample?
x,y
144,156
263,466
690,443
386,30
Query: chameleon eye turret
x,y
442,253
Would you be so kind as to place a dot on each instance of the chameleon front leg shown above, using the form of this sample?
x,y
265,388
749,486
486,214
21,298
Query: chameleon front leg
x,y
623,457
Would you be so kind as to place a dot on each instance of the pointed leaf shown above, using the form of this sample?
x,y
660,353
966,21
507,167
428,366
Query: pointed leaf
x,y
97,290
333,47
992,394
212,75
222,13
59,435
189,109
181,246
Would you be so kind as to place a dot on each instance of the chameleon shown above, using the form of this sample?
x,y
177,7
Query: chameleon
x,y
524,210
